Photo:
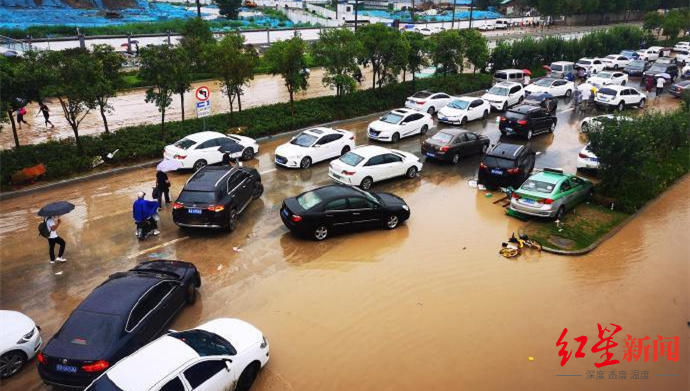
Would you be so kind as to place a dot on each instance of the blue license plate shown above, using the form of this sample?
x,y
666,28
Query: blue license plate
x,y
594,159
528,201
194,211
497,171
429,154
65,368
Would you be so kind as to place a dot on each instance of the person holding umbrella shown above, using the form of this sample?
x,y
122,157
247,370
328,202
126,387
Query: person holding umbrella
x,y
162,187
50,225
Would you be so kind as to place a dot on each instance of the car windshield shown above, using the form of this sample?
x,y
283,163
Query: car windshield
x,y
612,56
585,62
197,197
303,140
607,91
556,67
496,90
628,53
90,330
422,94
604,75
351,159
205,343
544,82
104,383
637,64
498,162
185,143
372,197
442,137
657,68
309,200
391,118
537,186
459,104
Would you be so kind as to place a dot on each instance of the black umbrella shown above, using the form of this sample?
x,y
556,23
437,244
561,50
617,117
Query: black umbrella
x,y
230,147
56,209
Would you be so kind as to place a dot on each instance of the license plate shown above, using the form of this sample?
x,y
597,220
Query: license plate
x,y
594,159
497,171
442,118
509,129
194,211
528,201
429,154
65,368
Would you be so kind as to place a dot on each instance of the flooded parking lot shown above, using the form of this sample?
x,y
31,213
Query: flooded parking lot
x,y
430,305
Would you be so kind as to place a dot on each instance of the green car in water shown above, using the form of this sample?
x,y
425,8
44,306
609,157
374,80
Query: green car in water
x,y
550,193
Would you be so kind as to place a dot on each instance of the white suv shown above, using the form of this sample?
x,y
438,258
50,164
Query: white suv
x,y
620,97
591,65
427,101
399,123
503,95
367,164
314,145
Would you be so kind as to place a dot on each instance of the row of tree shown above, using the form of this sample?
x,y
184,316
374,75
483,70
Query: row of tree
x,y
580,7
671,24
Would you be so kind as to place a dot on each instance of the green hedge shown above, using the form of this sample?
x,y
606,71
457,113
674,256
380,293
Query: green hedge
x,y
63,159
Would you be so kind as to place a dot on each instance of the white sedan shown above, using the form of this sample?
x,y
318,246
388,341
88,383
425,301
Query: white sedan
x,y
608,78
365,165
586,159
20,339
591,65
314,145
427,101
200,149
615,61
590,123
399,123
463,109
223,354
549,85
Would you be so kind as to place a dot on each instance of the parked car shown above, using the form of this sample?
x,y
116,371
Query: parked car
x,y
423,30
336,208
223,354
399,123
686,72
666,60
426,72
527,121
677,89
555,87
504,95
550,193
502,24
200,149
545,100
590,65
682,45
214,197
587,160
608,78
368,164
615,61
657,70
20,339
427,101
650,54
619,97
590,123
451,144
505,165
313,146
510,76
683,58
463,109
560,69
631,54
637,67
118,317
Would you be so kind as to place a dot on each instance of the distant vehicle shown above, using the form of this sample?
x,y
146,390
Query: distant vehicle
x,y
510,75
200,149
550,193
682,45
636,67
546,101
223,354
686,72
451,144
399,123
502,24
425,72
590,123
679,88
118,317
463,109
20,339
661,70
619,97
631,54
683,58
608,78
214,197
336,208
561,69
666,60
527,121
423,30
505,165
591,65
650,54
555,87
314,145
368,164
615,61
427,101
504,95
587,160
486,25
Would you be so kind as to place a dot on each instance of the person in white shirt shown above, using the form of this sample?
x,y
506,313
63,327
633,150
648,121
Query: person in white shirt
x,y
660,86
53,223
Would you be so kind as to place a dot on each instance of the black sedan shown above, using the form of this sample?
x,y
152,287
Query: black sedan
x,y
118,317
526,121
336,208
452,143
677,89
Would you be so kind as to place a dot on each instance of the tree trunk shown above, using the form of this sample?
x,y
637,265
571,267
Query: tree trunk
x,y
230,94
292,102
105,120
75,128
374,71
239,99
404,75
182,104
162,121
14,128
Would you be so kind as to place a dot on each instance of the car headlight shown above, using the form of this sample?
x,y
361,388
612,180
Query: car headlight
x,y
27,337
264,342
405,207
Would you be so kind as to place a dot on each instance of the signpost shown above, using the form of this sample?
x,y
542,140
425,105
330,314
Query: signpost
x,y
203,104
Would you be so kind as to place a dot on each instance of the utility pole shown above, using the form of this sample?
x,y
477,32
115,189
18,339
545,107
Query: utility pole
x,y
412,12
198,9
452,21
471,9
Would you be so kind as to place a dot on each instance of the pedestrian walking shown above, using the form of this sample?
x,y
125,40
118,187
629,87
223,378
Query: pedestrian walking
x,y
53,223
163,187
20,116
46,114
660,86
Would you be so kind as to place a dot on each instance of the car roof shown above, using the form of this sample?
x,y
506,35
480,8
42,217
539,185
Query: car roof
x,y
203,136
330,192
562,63
319,131
367,151
588,58
206,178
466,98
550,177
616,88
506,150
403,111
455,131
540,97
510,70
507,84
119,293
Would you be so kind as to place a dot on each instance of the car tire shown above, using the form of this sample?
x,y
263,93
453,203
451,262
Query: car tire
x,y
345,150
246,380
305,162
258,191
642,103
233,218
486,114
395,138
463,121
624,83
320,232
560,213
455,159
392,221
615,67
585,128
366,183
190,294
248,153
621,106
521,99
411,172
11,362
199,164
568,93
505,106
424,129
431,110
529,134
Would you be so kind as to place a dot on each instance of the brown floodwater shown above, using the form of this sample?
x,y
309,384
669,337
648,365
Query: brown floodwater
x,y
430,305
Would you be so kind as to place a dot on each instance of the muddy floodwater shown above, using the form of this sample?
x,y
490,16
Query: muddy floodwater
x,y
428,306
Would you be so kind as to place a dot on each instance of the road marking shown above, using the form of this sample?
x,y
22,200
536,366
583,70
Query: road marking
x,y
267,171
142,252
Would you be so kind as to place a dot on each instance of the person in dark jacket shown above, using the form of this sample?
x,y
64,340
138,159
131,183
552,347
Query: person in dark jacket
x,y
163,185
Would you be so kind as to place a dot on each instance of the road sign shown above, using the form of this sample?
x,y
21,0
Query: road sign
x,y
202,94
203,109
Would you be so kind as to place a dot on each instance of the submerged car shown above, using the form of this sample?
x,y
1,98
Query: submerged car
x,y
464,109
677,89
504,95
451,144
427,101
636,67
336,208
590,123
550,193
549,85
608,78
313,146
203,148
527,121
587,160
398,124
367,164
506,165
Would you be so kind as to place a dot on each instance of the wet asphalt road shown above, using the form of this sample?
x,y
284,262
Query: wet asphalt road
x,y
429,305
